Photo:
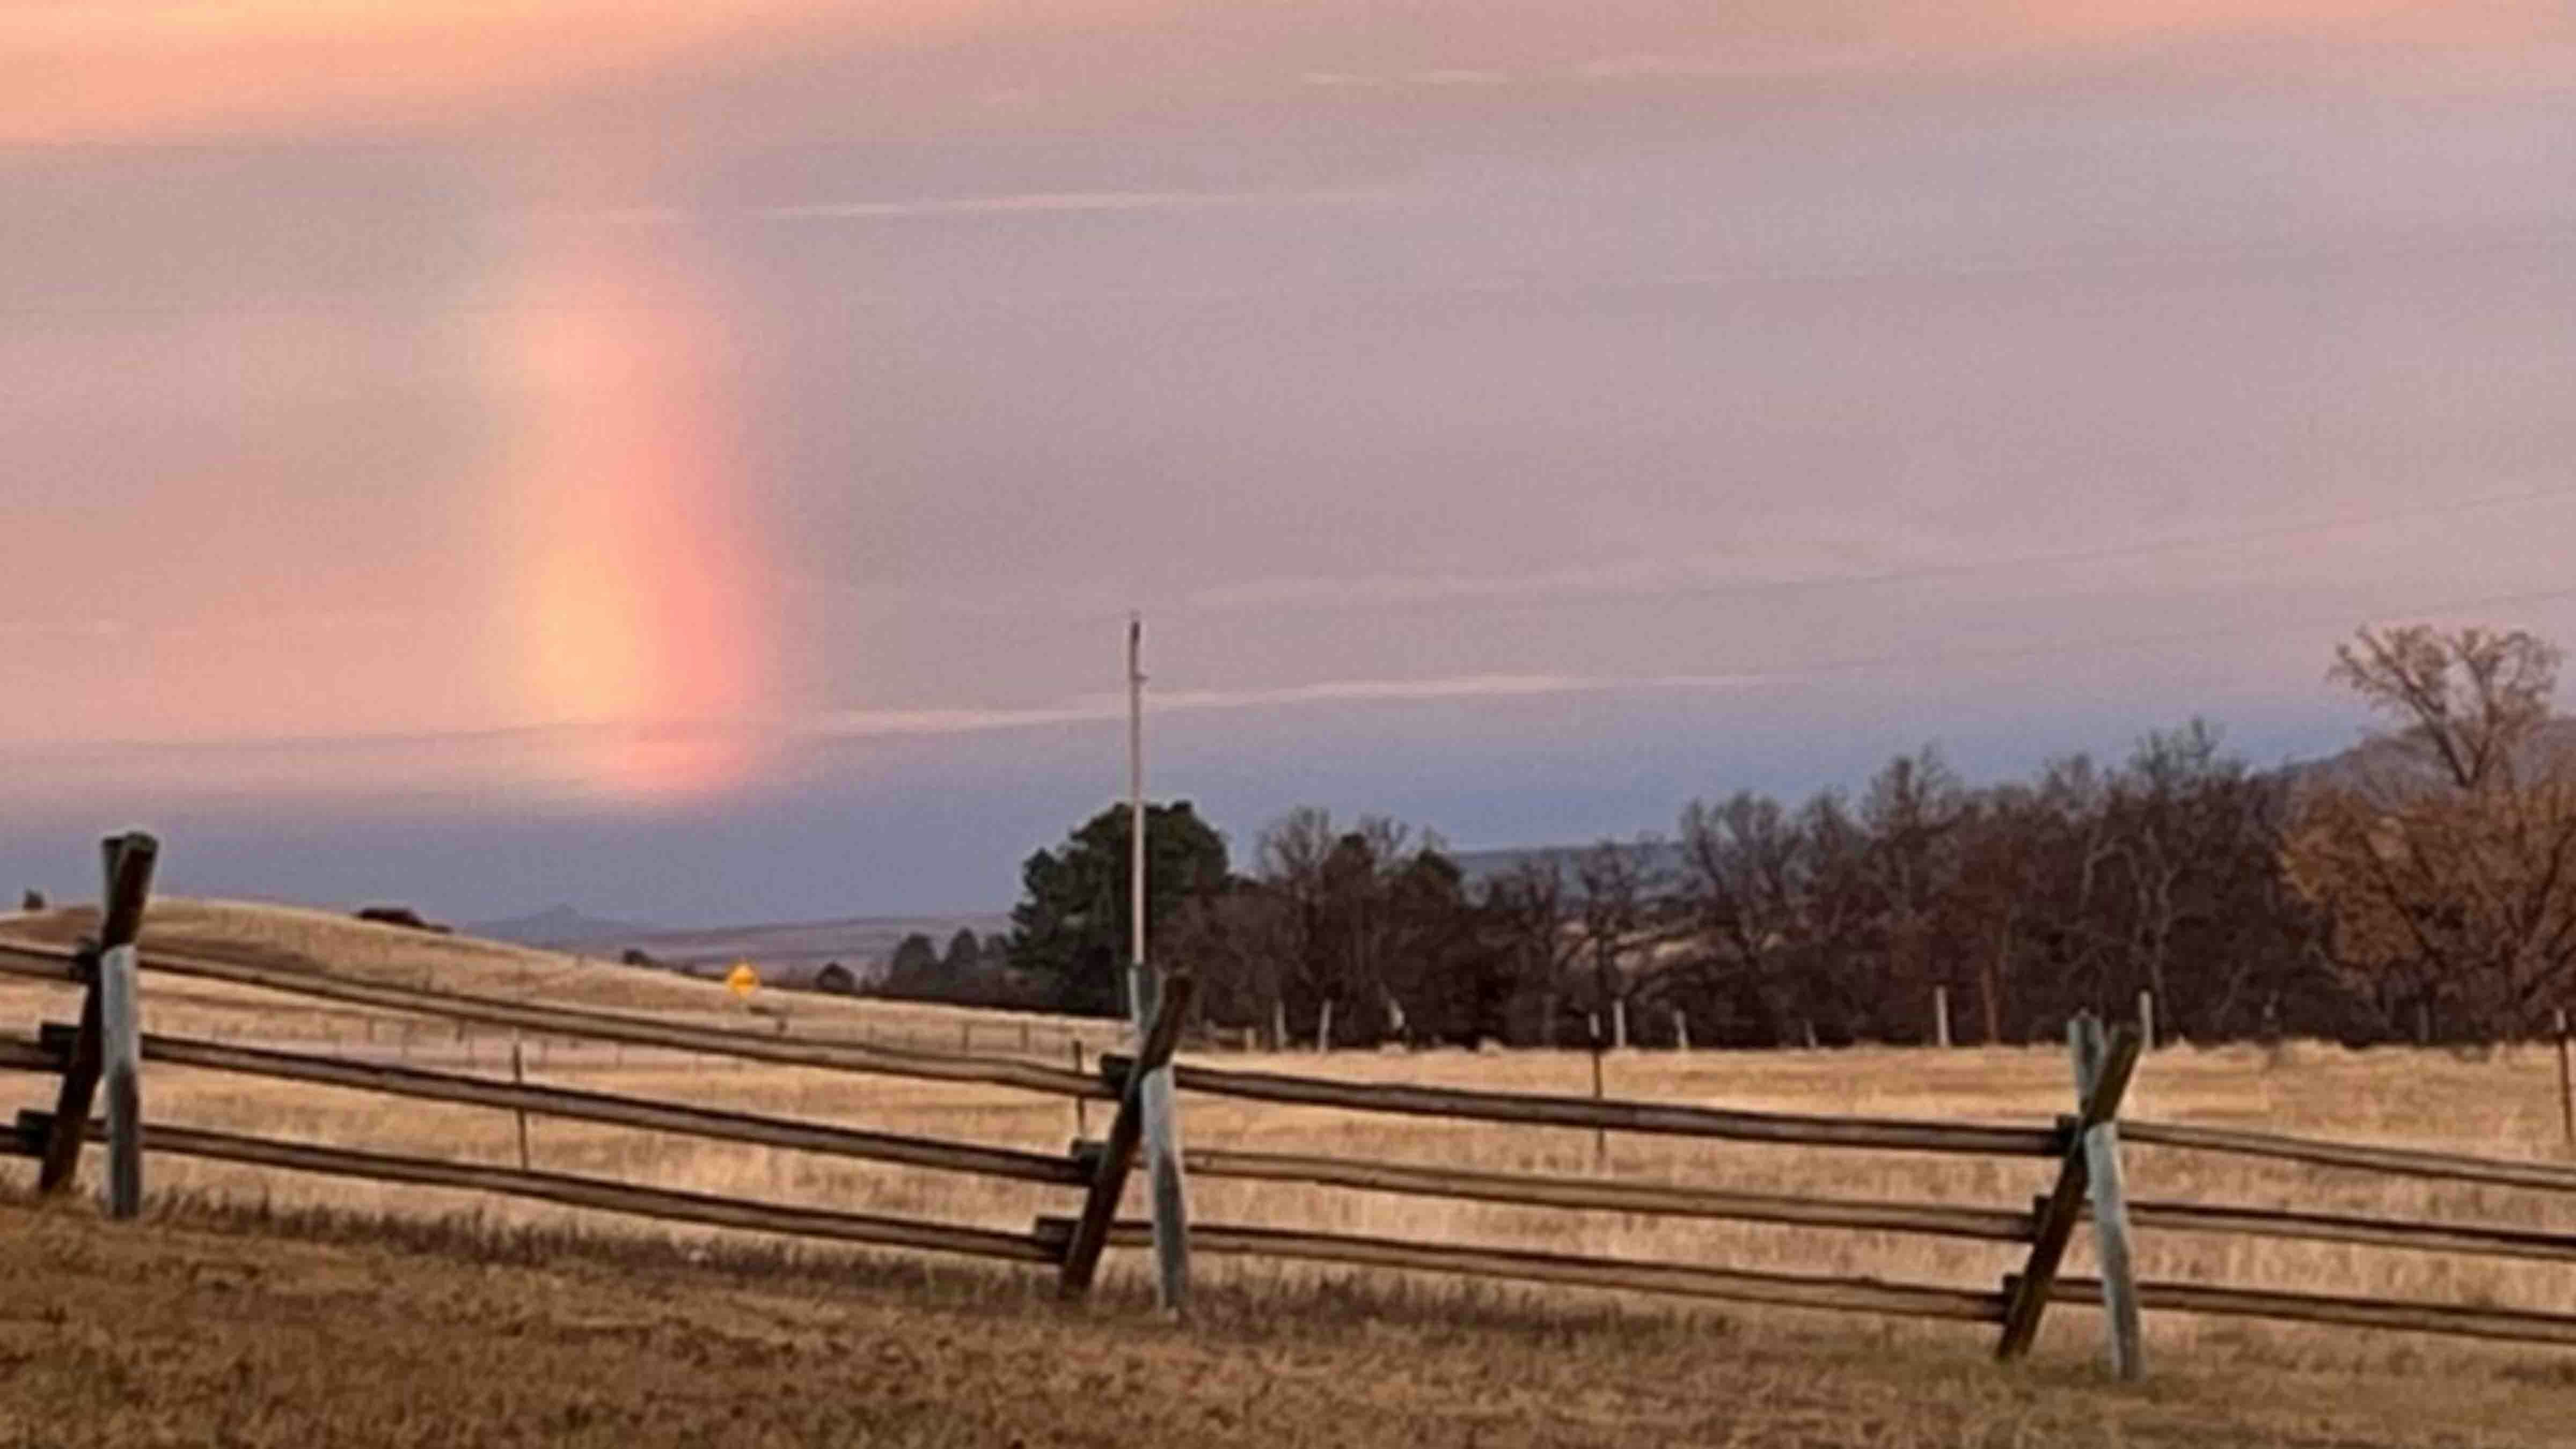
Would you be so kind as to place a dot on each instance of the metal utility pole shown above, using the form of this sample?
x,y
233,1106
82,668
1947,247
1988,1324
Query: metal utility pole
x,y
1144,997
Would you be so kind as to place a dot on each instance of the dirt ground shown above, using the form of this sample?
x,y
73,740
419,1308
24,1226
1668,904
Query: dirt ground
x,y
216,1326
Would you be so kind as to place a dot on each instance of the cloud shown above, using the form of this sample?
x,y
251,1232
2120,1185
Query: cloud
x,y
1028,203
1101,707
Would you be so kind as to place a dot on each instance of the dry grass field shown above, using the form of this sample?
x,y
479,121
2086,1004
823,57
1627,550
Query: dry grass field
x,y
830,1347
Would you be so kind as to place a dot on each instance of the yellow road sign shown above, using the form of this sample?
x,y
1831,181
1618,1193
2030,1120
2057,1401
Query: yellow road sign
x,y
743,979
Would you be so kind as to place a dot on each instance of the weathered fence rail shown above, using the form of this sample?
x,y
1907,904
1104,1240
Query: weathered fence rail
x,y
1530,1110
605,1026
1610,1195
2403,1161
1863,1295
640,1112
105,1047
581,1192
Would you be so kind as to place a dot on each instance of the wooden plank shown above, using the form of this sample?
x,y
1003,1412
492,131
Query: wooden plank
x,y
570,1191
2374,1232
593,1025
2110,1208
2404,1161
1863,1295
1603,1195
1118,1154
2028,1292
127,862
38,963
121,1078
78,1089
621,1111
17,1054
2510,1324
1668,1119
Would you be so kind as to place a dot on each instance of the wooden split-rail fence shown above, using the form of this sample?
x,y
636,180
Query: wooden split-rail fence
x,y
105,1050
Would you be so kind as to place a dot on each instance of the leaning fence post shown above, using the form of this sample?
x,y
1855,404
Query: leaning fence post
x,y
105,1046
2026,1293
1118,1154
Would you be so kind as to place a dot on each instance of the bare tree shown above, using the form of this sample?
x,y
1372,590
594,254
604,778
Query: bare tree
x,y
1744,892
2448,865
1538,943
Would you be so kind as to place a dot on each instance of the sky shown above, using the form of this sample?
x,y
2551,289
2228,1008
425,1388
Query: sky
x,y
696,462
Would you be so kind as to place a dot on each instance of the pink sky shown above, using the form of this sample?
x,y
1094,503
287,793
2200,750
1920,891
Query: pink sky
x,y
678,408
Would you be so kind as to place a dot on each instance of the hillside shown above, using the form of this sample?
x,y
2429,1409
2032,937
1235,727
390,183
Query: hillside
x,y
305,939
301,938
557,927
794,950
786,953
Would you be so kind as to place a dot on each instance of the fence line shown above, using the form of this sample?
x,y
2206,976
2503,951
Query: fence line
x,y
1524,1109
2475,1241
579,1105
1534,1110
565,1189
596,1025
1605,1195
2086,1147
2516,1325
2405,1161
1862,1295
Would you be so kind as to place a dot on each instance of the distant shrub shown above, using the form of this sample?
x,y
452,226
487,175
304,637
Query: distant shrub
x,y
403,916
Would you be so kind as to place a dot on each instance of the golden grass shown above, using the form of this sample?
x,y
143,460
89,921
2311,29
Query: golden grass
x,y
222,1324
2503,1105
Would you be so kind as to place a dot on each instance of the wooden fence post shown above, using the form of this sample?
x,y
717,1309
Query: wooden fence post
x,y
2566,1097
519,1075
1681,1030
2110,1206
1941,1017
1600,1135
1126,1131
2146,1020
2026,1292
1165,1187
128,861
1081,1107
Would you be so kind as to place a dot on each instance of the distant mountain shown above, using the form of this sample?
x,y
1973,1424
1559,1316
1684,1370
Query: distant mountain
x,y
2391,760
785,953
558,926
793,950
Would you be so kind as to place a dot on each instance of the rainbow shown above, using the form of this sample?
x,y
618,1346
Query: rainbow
x,y
630,612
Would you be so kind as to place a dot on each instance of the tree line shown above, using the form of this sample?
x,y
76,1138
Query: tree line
x,y
2420,888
